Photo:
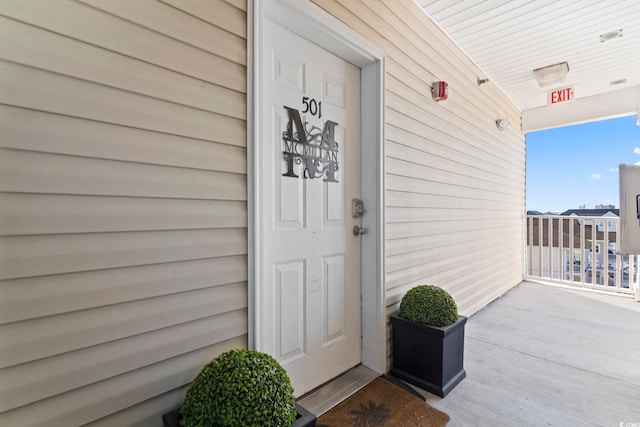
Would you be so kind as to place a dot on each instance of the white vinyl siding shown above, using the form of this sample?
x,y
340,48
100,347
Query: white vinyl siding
x,y
455,185
123,220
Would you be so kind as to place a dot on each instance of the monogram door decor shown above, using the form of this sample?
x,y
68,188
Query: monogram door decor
x,y
314,148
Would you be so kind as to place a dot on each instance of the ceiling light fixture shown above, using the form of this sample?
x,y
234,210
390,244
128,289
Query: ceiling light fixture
x,y
610,35
617,82
552,74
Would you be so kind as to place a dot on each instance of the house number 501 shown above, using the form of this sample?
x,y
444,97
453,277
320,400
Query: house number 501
x,y
312,106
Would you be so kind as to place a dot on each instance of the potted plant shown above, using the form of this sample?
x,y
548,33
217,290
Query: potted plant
x,y
240,388
428,340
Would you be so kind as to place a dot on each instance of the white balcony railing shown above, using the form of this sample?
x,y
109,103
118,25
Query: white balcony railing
x,y
580,251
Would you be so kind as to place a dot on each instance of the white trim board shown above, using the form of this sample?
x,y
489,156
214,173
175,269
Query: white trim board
x,y
319,27
618,103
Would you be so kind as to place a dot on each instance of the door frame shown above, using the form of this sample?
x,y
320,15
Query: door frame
x,y
316,25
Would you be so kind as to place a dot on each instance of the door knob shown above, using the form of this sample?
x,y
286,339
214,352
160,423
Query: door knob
x,y
358,231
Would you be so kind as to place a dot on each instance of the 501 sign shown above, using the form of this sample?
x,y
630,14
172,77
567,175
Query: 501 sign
x,y
312,106
314,149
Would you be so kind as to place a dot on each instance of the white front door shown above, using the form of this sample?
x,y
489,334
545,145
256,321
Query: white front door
x,y
310,258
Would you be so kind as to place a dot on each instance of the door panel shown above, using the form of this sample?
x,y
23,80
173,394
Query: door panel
x,y
289,284
310,309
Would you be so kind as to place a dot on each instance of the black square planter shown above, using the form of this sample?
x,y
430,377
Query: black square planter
x,y
304,419
429,357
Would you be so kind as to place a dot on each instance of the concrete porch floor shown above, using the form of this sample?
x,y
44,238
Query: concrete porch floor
x,y
547,356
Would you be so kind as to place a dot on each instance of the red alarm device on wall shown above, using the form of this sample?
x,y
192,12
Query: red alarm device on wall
x,y
440,91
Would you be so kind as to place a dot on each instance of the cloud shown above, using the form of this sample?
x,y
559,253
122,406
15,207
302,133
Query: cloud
x,y
613,170
636,150
638,163
596,175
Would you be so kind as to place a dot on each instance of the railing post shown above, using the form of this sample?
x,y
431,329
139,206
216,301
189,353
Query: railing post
x,y
636,285
560,248
572,249
550,237
530,242
540,247
605,253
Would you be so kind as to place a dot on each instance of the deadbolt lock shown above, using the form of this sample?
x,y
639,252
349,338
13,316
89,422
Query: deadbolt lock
x,y
357,208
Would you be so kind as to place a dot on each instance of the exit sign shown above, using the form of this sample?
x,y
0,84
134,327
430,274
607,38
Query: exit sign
x,y
559,96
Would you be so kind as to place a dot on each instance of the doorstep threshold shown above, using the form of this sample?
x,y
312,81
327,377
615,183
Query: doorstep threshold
x,y
337,390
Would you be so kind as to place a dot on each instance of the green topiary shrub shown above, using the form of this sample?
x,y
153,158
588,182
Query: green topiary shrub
x,y
430,305
240,388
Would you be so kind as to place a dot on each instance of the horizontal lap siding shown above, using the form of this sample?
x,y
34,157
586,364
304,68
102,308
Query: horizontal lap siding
x,y
455,185
123,227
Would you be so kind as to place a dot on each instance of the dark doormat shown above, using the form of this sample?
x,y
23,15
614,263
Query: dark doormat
x,y
383,404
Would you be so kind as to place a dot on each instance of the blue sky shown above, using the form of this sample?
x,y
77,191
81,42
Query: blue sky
x,y
578,165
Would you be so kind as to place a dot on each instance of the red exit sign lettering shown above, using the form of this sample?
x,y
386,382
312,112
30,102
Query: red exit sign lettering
x,y
559,96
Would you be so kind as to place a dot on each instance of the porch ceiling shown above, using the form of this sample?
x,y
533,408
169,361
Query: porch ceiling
x,y
508,39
